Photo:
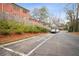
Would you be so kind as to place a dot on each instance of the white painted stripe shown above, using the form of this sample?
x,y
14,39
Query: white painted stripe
x,y
21,54
41,38
38,46
19,41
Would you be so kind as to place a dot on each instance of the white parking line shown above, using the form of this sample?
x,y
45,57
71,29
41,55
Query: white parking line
x,y
11,50
42,38
37,46
19,41
21,54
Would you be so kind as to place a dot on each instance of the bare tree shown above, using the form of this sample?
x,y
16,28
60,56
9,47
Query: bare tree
x,y
36,13
77,19
41,14
72,16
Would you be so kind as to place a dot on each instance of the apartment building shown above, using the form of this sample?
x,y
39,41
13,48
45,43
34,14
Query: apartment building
x,y
11,11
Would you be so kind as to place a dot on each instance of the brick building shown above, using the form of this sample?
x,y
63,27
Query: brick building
x,y
11,11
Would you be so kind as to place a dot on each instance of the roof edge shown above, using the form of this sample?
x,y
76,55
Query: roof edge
x,y
21,7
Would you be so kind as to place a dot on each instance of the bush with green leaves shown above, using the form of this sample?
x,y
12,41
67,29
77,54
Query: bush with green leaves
x,y
11,26
5,27
19,28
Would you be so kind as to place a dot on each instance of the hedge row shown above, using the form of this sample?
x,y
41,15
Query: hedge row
x,y
9,26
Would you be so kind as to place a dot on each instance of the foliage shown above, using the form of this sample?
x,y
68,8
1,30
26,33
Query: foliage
x,y
9,26
41,14
5,27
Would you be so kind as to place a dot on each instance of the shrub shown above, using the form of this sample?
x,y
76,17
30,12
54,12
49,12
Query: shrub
x,y
44,30
34,28
5,27
27,28
18,28
5,31
11,26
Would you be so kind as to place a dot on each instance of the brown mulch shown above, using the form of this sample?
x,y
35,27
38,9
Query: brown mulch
x,y
75,33
14,37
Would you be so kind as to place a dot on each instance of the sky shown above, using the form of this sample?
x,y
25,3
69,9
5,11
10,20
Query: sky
x,y
54,9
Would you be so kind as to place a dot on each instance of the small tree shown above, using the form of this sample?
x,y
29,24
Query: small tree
x,y
43,13
36,13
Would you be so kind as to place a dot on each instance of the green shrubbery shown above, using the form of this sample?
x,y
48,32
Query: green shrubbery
x,y
34,28
5,27
9,26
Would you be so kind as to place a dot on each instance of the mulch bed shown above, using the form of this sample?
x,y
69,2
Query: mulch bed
x,y
14,37
75,33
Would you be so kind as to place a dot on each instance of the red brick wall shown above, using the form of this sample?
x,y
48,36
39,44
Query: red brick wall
x,y
8,7
13,11
0,6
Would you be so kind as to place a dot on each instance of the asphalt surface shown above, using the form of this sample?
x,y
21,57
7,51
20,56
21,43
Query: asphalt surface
x,y
59,44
